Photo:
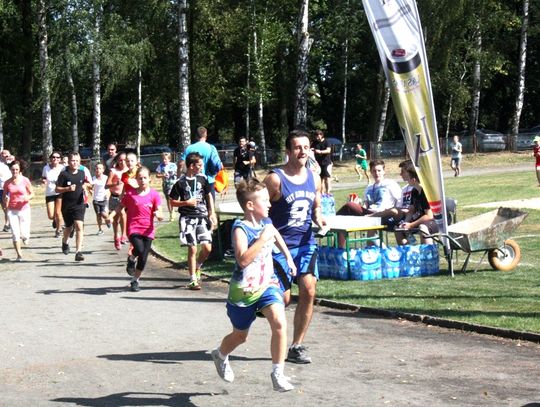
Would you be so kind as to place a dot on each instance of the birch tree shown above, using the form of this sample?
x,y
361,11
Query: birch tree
x,y
183,75
25,9
95,51
476,83
73,108
139,112
47,143
302,80
521,75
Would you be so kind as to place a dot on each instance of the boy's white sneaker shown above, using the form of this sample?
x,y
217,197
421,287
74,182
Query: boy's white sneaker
x,y
281,382
223,367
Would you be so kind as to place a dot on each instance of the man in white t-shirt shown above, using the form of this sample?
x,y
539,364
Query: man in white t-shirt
x,y
455,163
379,198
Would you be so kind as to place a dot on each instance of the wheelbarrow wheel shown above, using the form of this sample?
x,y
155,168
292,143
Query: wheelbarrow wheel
x,y
506,257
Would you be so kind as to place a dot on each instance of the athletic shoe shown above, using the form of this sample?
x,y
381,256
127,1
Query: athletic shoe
x,y
7,228
57,234
135,286
100,232
280,382
18,259
79,256
298,354
26,241
124,240
54,224
130,268
117,244
198,274
194,285
108,223
72,233
65,248
223,367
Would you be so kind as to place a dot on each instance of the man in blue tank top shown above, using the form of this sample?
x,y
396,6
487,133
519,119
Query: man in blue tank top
x,y
295,194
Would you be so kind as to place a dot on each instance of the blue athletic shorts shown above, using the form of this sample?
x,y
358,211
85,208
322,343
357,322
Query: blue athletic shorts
x,y
242,317
305,259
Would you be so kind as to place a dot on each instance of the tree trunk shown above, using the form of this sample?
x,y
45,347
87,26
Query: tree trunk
x,y
304,44
139,113
74,113
183,72
248,86
384,111
46,144
257,53
345,91
521,82
96,88
473,117
27,46
96,120
1,127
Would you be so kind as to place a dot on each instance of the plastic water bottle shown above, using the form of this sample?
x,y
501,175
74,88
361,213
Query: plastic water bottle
x,y
368,262
391,259
411,261
322,262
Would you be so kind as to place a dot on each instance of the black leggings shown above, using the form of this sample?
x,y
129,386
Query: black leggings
x,y
141,248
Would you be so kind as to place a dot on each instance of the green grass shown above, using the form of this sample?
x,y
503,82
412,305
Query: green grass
x,y
500,299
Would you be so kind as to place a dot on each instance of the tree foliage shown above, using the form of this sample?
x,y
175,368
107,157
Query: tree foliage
x,y
143,34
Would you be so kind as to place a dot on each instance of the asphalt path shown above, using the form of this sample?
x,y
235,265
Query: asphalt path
x,y
72,334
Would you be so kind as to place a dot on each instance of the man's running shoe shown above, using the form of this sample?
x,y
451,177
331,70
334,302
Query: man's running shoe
x,y
72,233
198,274
124,240
57,234
280,382
65,248
100,232
223,367
117,244
7,228
194,285
130,268
298,354
135,286
54,224
79,256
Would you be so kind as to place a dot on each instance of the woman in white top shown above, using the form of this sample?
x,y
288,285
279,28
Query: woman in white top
x,y
49,176
101,198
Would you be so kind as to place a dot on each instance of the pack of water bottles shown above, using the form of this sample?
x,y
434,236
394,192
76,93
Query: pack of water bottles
x,y
328,205
374,263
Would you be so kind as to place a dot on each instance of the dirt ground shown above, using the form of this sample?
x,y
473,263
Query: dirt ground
x,y
73,335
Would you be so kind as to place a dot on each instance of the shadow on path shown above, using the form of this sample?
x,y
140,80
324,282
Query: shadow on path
x,y
136,399
171,357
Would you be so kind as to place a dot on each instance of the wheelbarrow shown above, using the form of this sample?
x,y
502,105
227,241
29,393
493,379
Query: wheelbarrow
x,y
488,233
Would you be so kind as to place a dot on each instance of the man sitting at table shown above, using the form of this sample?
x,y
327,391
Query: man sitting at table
x,y
380,198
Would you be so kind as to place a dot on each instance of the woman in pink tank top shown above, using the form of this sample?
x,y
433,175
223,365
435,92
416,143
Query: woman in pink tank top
x,y
17,194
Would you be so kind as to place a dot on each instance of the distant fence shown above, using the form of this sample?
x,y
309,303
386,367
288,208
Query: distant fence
x,y
384,150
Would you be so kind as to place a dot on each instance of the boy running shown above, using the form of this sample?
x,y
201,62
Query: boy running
x,y
167,170
254,287
193,196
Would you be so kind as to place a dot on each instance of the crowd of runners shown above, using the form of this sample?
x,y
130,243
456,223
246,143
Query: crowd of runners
x,y
274,244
